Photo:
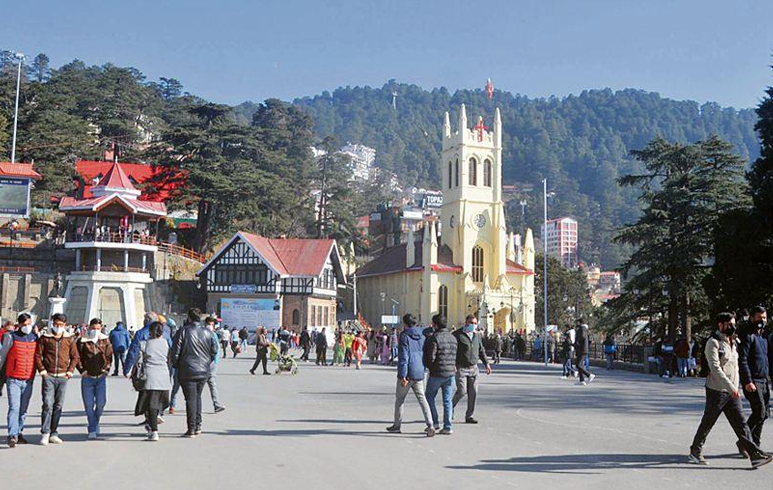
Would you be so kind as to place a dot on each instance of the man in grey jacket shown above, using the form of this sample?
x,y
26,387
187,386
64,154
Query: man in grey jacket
x,y
722,394
441,362
469,352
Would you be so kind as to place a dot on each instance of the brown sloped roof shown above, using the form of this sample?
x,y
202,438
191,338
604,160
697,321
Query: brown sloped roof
x,y
394,260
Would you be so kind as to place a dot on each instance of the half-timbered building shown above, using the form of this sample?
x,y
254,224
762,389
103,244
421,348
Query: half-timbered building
x,y
293,282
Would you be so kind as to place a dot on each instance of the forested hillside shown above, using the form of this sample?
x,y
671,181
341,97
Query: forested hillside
x,y
580,143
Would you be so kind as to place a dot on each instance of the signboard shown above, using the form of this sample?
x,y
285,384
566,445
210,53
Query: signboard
x,y
249,312
413,215
14,197
243,288
390,319
433,200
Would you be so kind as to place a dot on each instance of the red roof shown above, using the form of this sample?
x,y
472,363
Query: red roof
x,y
514,268
161,182
24,170
287,256
116,178
97,203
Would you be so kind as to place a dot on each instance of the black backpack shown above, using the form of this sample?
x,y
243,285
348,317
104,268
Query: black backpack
x,y
705,368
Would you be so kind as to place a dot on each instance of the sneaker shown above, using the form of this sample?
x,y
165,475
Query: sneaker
x,y
21,440
197,432
696,457
44,439
55,439
266,374
446,432
12,441
219,409
430,431
160,420
592,377
190,434
392,429
581,383
153,436
92,436
470,420
171,411
564,377
761,459
252,372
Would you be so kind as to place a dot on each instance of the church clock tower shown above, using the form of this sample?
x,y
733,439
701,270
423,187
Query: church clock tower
x,y
473,213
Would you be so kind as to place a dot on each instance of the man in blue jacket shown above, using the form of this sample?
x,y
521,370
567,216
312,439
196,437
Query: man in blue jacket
x,y
754,369
410,373
119,341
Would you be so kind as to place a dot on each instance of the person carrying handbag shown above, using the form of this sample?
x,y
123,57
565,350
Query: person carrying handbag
x,y
151,377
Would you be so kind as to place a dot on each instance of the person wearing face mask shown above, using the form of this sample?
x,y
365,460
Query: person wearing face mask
x,y
17,352
722,396
55,359
754,372
95,355
469,351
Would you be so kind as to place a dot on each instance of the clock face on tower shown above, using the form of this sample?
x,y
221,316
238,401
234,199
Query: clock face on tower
x,y
479,221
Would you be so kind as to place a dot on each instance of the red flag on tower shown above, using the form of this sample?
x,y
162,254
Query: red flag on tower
x,y
489,89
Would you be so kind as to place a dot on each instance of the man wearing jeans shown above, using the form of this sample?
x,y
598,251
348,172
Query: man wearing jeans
x,y
441,362
754,371
56,357
469,351
192,355
95,355
212,380
410,373
18,354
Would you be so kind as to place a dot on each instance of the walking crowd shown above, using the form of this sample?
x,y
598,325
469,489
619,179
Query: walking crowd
x,y
160,359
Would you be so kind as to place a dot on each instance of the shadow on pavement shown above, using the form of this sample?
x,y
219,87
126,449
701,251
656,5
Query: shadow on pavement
x,y
587,464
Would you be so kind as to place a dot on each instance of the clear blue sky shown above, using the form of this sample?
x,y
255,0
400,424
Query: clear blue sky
x,y
230,51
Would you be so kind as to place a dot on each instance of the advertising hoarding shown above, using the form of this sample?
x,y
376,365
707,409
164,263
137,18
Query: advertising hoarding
x,y
14,197
249,312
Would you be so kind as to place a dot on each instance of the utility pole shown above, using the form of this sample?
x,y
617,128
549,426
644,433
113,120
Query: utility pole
x,y
354,286
16,110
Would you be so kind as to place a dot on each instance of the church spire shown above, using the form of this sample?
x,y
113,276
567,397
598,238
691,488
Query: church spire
x,y
447,126
462,120
497,128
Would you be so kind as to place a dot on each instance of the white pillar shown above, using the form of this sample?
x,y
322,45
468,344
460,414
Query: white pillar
x,y
78,259
144,261
99,259
126,261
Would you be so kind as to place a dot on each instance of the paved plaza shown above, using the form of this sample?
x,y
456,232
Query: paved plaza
x,y
324,429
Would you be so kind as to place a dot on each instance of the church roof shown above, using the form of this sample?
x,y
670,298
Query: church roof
x,y
394,260
515,268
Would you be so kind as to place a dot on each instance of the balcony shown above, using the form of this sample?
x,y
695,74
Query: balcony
x,y
115,240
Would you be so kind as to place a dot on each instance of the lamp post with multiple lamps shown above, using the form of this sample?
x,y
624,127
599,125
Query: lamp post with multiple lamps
x,y
20,57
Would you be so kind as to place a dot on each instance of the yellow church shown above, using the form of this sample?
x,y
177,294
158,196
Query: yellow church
x,y
466,263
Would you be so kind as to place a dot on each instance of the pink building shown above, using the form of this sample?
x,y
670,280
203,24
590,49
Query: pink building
x,y
561,237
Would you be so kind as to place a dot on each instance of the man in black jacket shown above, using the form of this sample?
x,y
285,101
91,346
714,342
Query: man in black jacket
x,y
440,359
754,370
469,351
193,352
581,348
305,344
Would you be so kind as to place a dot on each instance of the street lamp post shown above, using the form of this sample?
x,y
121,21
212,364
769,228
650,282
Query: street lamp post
x,y
545,263
20,57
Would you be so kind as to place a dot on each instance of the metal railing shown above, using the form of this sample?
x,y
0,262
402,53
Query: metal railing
x,y
112,237
5,268
181,252
111,268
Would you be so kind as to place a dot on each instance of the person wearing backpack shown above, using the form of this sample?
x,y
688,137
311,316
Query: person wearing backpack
x,y
754,370
722,396
153,363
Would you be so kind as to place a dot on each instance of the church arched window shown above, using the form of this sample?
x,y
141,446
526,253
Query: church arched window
x,y
442,301
477,264
457,172
487,173
473,172
296,317
450,175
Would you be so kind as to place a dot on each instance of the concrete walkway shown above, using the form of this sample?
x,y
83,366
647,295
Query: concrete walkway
x,y
324,429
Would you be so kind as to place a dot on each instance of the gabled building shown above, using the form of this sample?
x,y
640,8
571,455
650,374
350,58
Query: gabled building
x,y
256,281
